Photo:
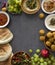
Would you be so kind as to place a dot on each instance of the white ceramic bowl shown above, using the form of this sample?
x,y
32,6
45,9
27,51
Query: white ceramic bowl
x,y
47,22
8,19
44,9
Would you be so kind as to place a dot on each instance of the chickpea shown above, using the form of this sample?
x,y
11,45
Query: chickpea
x,y
4,9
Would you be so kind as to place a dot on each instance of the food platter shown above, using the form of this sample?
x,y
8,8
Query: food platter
x,y
25,34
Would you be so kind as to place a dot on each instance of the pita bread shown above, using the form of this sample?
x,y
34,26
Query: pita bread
x,y
5,51
7,62
5,36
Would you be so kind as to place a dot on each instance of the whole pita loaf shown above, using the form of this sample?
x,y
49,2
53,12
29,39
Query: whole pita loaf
x,y
8,61
5,36
5,51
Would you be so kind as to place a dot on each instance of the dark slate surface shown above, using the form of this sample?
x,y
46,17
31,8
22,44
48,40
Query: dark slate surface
x,y
25,29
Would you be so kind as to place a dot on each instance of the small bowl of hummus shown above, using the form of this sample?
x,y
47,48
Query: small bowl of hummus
x,y
48,6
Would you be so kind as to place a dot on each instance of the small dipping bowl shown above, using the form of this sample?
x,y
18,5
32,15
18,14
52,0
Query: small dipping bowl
x,y
4,19
44,9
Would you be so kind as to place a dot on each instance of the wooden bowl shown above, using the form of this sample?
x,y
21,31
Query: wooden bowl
x,y
19,56
49,48
30,11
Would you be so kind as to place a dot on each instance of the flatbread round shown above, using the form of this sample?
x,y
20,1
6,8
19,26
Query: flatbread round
x,y
5,36
7,62
5,51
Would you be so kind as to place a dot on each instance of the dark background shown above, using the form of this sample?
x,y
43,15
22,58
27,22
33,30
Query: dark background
x,y
26,31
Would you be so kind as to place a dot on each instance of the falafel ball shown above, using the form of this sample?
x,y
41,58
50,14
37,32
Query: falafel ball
x,y
41,32
53,47
49,34
48,43
42,38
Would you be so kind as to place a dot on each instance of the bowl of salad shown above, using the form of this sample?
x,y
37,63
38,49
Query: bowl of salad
x,y
20,58
14,6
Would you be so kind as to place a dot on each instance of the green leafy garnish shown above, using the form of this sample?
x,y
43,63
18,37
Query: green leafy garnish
x,y
31,4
